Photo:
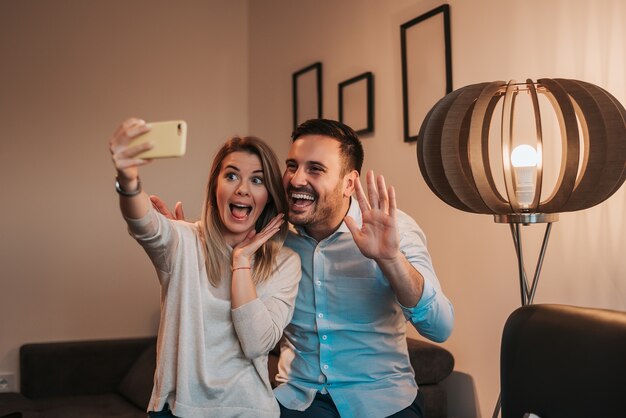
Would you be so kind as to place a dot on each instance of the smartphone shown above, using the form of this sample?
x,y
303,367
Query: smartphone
x,y
169,139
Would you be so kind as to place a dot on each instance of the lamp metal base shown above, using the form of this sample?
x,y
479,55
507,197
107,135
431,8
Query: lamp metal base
x,y
526,218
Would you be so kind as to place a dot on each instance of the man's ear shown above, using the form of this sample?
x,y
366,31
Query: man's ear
x,y
349,183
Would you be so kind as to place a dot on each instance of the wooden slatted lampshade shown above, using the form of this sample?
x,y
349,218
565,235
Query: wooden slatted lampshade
x,y
454,157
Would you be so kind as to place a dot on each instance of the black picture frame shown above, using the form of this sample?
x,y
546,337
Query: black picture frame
x,y
307,93
422,85
357,112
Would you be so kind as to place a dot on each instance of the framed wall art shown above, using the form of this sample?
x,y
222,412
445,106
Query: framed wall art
x,y
307,93
426,66
356,103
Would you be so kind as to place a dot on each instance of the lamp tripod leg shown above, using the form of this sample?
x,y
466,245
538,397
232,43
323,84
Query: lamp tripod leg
x,y
527,295
517,241
496,411
542,253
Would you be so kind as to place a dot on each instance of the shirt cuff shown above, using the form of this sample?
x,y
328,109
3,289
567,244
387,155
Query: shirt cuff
x,y
428,295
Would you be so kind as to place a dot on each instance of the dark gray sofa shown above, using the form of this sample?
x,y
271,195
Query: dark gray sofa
x,y
113,378
103,378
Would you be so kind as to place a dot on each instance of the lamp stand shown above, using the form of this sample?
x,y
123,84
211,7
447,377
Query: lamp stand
x,y
527,292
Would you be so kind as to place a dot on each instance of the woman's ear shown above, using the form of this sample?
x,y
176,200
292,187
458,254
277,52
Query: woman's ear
x,y
349,183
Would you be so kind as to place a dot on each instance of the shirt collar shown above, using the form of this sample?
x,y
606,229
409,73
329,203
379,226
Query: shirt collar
x,y
355,212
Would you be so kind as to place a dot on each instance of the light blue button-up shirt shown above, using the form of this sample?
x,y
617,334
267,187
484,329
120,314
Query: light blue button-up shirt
x,y
348,332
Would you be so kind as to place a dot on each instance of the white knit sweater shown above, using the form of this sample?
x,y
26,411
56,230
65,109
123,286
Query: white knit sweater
x,y
211,359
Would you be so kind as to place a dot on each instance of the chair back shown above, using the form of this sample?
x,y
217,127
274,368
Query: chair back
x,y
563,361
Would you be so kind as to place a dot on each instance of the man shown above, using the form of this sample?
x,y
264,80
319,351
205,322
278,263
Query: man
x,y
365,272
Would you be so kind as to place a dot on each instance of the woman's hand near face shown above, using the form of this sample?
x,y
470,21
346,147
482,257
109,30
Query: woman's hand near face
x,y
243,289
126,163
243,252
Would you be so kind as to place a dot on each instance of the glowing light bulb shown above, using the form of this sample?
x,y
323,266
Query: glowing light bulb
x,y
524,156
524,161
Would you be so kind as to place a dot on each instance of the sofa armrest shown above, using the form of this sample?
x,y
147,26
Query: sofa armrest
x,y
432,363
77,368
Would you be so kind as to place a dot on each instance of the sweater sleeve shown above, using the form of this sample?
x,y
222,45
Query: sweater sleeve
x,y
259,323
158,237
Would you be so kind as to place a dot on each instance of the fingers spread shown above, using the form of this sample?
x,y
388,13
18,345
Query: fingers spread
x,y
360,196
272,227
383,199
254,241
352,225
392,202
372,191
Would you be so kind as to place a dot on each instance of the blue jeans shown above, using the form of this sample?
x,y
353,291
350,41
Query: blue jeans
x,y
164,413
324,407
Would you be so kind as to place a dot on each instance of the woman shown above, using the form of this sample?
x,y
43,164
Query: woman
x,y
227,284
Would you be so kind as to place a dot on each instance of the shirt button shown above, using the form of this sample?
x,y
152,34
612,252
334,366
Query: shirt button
x,y
324,337
325,366
321,315
319,283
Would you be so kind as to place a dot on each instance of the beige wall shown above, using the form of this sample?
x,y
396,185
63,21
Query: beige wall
x,y
70,72
491,40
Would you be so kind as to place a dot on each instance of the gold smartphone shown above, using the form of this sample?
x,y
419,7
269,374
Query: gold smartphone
x,y
169,139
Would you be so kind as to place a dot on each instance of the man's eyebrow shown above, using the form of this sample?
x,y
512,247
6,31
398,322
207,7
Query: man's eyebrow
x,y
308,163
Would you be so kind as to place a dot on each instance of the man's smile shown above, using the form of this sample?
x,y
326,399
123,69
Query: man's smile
x,y
300,199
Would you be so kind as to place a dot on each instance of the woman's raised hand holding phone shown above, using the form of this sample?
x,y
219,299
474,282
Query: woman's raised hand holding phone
x,y
125,156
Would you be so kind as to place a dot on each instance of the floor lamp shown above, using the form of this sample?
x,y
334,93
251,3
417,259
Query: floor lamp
x,y
456,158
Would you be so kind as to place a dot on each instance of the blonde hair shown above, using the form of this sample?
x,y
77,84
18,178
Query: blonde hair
x,y
216,252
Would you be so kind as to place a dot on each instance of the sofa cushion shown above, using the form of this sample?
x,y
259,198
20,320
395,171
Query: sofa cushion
x,y
432,363
12,402
136,386
107,405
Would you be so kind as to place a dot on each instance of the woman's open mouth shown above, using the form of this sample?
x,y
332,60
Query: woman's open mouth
x,y
239,211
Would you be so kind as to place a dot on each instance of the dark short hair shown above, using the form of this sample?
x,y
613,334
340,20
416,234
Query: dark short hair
x,y
349,142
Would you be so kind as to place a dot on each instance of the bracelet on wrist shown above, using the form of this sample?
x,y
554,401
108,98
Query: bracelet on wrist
x,y
126,193
240,268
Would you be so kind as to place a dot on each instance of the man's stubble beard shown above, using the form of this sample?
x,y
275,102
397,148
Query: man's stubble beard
x,y
322,210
